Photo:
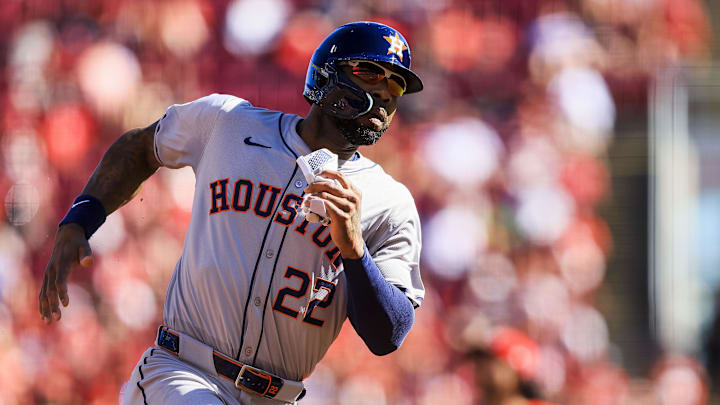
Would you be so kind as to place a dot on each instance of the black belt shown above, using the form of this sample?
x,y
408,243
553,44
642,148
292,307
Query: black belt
x,y
245,377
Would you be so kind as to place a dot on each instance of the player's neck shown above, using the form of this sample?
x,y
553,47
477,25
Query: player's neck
x,y
318,132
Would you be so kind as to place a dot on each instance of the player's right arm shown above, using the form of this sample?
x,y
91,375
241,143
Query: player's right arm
x,y
178,139
128,162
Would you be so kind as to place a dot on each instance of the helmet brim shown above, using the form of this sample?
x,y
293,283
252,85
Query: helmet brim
x,y
414,84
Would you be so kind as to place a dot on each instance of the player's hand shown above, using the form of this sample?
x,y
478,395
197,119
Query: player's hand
x,y
342,202
70,250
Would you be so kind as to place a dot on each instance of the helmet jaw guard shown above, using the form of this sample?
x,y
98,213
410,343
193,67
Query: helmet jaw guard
x,y
339,95
328,87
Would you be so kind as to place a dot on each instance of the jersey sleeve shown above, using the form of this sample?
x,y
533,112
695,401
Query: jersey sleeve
x,y
397,251
184,130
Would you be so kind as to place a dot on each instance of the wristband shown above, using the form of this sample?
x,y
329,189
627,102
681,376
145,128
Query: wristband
x,y
86,211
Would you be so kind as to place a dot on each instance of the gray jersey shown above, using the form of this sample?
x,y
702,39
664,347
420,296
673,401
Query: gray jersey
x,y
255,280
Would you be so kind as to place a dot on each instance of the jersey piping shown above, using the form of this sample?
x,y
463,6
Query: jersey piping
x,y
267,295
262,247
142,376
277,256
283,137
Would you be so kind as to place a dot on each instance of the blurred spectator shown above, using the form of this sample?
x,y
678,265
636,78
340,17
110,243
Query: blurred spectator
x,y
680,380
505,367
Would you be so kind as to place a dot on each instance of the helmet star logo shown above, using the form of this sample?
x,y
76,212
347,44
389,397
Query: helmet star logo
x,y
397,46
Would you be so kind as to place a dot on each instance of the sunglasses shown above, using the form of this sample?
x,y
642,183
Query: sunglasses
x,y
373,73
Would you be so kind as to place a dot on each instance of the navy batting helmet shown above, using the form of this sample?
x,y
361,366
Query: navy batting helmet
x,y
326,85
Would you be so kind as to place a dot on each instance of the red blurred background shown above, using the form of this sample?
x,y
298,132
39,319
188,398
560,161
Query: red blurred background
x,y
526,154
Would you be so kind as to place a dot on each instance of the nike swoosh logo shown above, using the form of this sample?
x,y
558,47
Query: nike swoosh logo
x,y
251,143
79,202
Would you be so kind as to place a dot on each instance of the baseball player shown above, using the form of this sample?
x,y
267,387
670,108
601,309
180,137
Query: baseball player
x,y
260,292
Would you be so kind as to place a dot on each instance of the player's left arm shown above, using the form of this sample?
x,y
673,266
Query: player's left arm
x,y
380,312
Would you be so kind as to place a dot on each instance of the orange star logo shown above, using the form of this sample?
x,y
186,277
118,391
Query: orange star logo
x,y
397,46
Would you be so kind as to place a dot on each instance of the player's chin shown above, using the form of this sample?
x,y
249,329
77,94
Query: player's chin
x,y
362,135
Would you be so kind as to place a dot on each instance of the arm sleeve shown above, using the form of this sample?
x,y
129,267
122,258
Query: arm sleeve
x,y
384,288
380,313
184,130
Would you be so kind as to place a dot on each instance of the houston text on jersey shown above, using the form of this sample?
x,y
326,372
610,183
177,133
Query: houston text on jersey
x,y
243,197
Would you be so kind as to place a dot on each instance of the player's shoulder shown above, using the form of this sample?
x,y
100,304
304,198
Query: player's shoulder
x,y
375,183
216,102
226,103
238,107
236,112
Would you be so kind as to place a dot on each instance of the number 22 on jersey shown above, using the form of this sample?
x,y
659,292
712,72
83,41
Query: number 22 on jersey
x,y
300,292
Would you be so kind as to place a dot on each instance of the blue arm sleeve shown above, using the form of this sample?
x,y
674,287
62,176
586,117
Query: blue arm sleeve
x,y
380,313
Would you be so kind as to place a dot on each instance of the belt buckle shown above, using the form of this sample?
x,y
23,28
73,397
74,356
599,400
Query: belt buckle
x,y
257,382
168,340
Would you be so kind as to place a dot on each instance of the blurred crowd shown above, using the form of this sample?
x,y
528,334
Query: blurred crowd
x,y
505,152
